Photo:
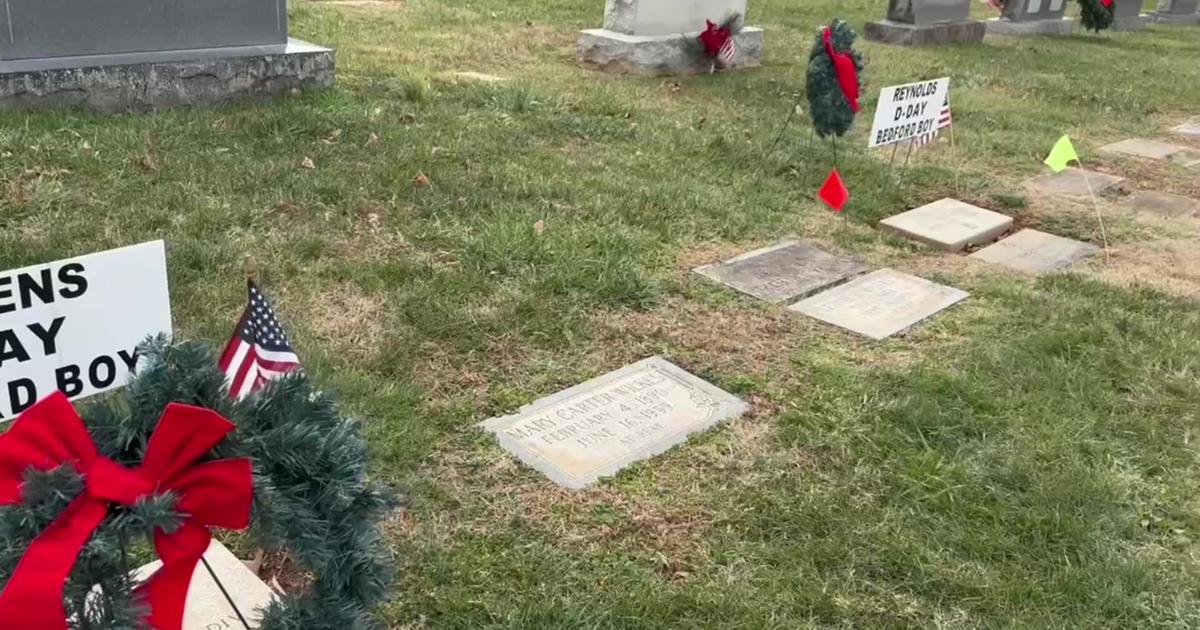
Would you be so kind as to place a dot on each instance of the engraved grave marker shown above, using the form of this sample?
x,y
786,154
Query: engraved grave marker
x,y
787,271
1032,251
597,428
949,224
880,304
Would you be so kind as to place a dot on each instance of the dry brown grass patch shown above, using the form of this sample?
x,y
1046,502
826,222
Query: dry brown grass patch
x,y
347,321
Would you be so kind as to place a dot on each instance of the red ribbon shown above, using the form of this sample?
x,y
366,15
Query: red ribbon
x,y
1107,3
211,494
714,38
847,72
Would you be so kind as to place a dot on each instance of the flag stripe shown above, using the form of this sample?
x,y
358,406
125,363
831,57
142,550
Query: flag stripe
x,y
259,350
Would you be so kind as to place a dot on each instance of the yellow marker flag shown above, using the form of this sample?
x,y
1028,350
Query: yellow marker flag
x,y
1061,155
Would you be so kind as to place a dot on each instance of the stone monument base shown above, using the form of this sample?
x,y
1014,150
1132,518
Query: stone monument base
x,y
1131,23
1001,26
139,81
661,54
901,34
1171,18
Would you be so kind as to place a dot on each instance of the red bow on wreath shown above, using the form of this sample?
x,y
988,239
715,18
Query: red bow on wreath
x,y
1107,3
846,71
718,42
211,494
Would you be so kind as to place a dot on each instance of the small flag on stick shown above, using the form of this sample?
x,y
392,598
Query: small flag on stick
x,y
259,350
1061,155
834,193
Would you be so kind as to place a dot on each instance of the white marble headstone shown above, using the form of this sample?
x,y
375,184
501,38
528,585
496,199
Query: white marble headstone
x,y
880,304
667,17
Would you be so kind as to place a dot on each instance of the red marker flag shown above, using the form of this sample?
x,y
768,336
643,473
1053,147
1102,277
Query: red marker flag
x,y
834,192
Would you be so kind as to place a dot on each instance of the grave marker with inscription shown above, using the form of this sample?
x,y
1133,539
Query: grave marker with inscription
x,y
949,224
923,22
1032,17
1127,16
1148,149
787,271
1075,182
659,36
1162,204
1188,129
595,429
139,54
1177,12
1032,251
880,304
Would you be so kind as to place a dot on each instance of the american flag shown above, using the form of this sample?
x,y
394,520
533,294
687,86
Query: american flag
x,y
259,350
728,52
944,120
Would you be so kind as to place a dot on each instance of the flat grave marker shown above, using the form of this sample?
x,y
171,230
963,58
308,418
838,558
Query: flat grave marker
x,y
880,304
1074,182
1163,204
949,224
1190,129
1148,149
595,429
207,608
1032,251
783,272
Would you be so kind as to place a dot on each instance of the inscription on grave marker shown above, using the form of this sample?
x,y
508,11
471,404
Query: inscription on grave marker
x,y
880,304
595,429
783,272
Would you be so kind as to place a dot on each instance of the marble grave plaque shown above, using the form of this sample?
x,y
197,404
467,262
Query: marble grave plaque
x,y
1074,182
1191,129
597,428
1032,251
880,304
207,608
1149,149
949,224
783,272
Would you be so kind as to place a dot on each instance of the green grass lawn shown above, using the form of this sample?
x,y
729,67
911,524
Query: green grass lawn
x,y
1027,459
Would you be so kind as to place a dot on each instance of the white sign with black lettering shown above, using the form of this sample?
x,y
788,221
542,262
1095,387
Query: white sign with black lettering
x,y
74,325
909,111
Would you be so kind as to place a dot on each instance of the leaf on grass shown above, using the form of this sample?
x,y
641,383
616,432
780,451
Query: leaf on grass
x,y
422,180
308,164
539,227
373,140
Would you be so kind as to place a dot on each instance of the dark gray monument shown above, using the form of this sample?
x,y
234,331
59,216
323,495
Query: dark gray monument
x,y
1128,16
132,54
924,22
1177,11
1032,17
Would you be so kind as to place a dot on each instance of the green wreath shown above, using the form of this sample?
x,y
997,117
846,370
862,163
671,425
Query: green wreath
x,y
312,497
831,112
1095,16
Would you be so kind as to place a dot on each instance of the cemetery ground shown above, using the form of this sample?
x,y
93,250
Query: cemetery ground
x,y
447,249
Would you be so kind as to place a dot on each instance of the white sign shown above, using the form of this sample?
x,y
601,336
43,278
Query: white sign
x,y
909,111
74,325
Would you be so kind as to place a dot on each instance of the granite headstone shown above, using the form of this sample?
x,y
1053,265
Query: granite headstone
x,y
1075,182
924,22
783,272
1032,17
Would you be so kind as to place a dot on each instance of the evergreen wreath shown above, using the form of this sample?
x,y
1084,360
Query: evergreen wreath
x,y
832,109
1096,15
312,497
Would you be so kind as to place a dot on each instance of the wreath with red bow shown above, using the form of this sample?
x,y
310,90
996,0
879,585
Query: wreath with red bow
x,y
160,466
1096,15
834,84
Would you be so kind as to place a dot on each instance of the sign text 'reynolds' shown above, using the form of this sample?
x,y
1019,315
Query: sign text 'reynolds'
x,y
74,325
909,111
